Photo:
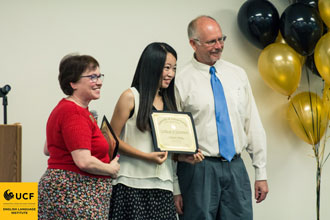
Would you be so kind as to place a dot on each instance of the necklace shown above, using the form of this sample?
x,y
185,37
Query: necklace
x,y
77,102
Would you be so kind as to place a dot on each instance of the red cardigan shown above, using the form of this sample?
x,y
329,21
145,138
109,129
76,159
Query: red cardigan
x,y
71,127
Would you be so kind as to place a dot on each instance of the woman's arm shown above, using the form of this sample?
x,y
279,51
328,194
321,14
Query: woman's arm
x,y
119,118
90,164
46,152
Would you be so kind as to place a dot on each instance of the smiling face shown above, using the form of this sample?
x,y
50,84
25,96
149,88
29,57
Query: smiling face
x,y
207,31
168,71
85,89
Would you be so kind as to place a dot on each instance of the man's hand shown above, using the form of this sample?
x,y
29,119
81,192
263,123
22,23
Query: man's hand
x,y
261,190
192,159
178,204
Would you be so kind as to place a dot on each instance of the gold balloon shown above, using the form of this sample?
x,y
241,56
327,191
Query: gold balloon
x,y
280,39
326,97
322,57
307,117
324,9
280,67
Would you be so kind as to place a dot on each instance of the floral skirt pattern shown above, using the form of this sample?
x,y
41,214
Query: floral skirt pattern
x,y
141,204
68,195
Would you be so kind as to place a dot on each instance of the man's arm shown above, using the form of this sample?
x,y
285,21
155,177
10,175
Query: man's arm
x,y
261,190
256,146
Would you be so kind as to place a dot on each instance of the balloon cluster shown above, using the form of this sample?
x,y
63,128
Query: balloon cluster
x,y
299,36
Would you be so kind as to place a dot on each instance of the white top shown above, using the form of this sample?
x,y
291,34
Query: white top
x,y
194,94
139,173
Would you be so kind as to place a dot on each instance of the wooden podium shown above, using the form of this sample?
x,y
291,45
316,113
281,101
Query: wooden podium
x,y
10,153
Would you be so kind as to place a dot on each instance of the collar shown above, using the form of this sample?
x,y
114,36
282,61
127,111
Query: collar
x,y
204,68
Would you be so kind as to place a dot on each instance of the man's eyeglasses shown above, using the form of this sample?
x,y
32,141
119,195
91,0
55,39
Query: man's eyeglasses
x,y
95,77
211,43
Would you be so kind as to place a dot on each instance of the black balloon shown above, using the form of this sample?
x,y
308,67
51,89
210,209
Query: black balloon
x,y
259,21
310,64
313,3
325,29
301,27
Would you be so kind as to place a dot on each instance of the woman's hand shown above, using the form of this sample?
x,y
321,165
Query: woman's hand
x,y
114,168
157,157
192,159
90,164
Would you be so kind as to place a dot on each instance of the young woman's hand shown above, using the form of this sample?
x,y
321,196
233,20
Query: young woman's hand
x,y
158,157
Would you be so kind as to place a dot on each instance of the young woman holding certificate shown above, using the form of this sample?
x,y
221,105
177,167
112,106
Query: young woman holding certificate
x,y
147,180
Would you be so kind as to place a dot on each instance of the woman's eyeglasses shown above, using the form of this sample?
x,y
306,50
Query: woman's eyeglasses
x,y
94,77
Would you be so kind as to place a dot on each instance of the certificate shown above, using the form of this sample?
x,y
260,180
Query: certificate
x,y
110,136
173,132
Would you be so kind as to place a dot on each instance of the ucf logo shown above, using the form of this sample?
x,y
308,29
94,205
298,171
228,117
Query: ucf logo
x,y
9,195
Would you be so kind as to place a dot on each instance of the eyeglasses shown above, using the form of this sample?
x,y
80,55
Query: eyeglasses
x,y
211,43
95,77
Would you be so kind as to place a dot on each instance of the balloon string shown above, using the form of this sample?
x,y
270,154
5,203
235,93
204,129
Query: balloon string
x,y
308,79
300,120
311,109
316,126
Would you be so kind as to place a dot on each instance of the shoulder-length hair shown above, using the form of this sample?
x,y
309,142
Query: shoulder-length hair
x,y
147,80
72,67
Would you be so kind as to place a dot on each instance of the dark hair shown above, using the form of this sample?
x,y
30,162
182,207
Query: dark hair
x,y
71,68
147,78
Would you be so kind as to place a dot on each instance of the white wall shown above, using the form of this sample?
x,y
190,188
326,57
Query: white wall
x,y
35,35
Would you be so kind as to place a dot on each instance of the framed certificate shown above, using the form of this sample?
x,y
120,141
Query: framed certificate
x,y
174,132
111,137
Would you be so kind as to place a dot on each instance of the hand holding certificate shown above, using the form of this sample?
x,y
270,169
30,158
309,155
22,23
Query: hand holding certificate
x,y
174,132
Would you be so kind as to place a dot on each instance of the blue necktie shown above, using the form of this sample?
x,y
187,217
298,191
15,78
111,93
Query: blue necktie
x,y
225,133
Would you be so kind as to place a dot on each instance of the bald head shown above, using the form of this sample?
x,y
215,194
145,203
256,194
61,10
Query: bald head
x,y
199,23
205,37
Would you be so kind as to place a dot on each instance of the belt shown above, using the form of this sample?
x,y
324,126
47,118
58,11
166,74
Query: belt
x,y
236,156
